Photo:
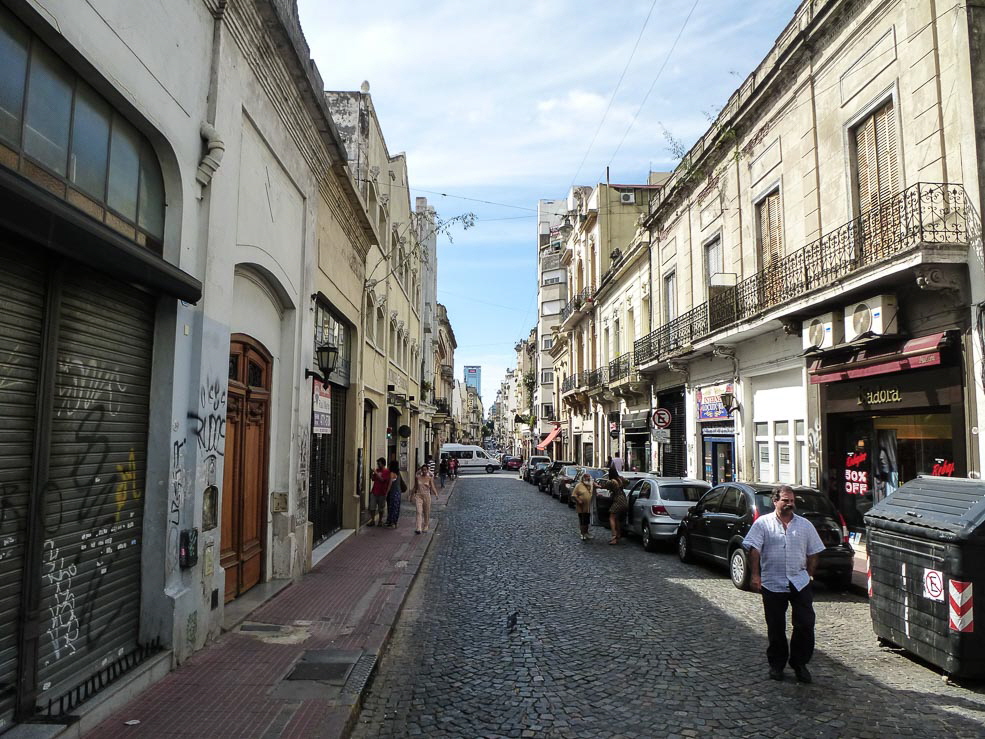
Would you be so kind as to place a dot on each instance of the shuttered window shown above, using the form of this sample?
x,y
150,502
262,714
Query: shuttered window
x,y
876,158
714,259
770,229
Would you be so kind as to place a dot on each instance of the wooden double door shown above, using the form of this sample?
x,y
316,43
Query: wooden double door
x,y
247,454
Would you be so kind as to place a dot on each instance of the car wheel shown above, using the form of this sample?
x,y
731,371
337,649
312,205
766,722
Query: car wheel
x,y
684,548
648,543
840,582
490,469
738,568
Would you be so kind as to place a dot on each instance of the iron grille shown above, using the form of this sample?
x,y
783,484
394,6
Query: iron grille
x,y
620,367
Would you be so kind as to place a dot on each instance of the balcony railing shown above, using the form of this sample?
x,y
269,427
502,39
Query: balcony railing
x,y
577,302
568,383
620,367
443,406
926,213
598,377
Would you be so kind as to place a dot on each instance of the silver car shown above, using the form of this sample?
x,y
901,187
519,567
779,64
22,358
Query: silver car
x,y
657,505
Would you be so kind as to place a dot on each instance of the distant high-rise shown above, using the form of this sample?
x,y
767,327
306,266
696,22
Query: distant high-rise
x,y
473,378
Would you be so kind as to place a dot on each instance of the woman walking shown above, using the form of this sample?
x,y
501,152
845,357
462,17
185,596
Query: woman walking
x,y
393,495
421,495
618,505
582,495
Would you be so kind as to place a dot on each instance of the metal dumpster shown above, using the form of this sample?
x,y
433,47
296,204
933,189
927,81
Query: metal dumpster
x,y
926,546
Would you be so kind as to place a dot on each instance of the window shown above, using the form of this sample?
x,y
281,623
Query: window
x,y
547,411
546,376
551,307
730,503
554,277
876,157
547,342
670,297
48,110
714,258
770,237
712,501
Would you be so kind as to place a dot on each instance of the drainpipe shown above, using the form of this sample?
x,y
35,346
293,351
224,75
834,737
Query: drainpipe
x,y
215,147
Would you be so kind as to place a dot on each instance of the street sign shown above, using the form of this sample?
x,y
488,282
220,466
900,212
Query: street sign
x,y
662,418
661,436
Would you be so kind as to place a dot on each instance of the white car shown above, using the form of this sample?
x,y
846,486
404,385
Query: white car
x,y
470,457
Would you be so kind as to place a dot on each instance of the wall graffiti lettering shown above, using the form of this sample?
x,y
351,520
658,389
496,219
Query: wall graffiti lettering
x,y
126,487
87,383
63,625
174,504
301,486
210,418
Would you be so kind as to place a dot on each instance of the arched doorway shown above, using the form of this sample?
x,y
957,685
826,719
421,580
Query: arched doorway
x,y
247,453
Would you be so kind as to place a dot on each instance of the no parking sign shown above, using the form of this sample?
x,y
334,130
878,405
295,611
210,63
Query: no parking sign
x,y
933,585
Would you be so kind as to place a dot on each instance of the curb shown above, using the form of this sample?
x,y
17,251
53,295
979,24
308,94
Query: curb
x,y
415,564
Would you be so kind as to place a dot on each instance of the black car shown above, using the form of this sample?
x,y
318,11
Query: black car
x,y
563,482
547,476
715,526
536,470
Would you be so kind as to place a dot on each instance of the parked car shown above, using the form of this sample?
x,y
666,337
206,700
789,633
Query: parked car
x,y
544,483
528,467
562,482
539,469
603,496
657,505
714,528
512,463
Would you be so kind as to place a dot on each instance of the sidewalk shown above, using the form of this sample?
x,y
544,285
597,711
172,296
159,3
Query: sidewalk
x,y
298,665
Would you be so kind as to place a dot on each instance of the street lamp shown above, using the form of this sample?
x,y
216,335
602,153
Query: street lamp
x,y
566,228
327,357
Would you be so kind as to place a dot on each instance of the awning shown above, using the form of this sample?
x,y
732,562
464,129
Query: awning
x,y
550,437
924,351
638,420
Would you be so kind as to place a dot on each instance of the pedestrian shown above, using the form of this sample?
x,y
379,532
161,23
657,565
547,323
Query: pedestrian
x,y
396,489
378,493
430,463
421,495
443,471
783,550
618,505
453,467
582,495
617,462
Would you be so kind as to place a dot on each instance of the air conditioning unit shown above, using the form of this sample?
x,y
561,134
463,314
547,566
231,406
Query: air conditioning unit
x,y
627,198
823,331
876,316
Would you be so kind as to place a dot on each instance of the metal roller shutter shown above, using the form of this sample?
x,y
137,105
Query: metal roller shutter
x,y
93,507
675,453
22,301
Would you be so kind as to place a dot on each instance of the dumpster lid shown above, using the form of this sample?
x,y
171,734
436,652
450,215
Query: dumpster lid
x,y
952,506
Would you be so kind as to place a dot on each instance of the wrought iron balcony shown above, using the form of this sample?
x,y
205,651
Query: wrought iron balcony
x,y
597,378
568,383
620,367
581,300
925,215
443,406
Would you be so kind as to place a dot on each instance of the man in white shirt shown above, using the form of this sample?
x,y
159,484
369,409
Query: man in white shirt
x,y
783,549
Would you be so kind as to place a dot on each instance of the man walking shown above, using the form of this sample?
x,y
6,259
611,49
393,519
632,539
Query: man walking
x,y
783,549
616,462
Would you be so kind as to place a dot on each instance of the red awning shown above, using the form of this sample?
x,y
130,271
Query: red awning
x,y
924,351
550,437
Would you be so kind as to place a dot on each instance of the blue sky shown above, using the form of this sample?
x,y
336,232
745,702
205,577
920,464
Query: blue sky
x,y
500,102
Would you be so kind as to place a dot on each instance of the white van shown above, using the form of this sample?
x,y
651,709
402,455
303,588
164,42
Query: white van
x,y
470,457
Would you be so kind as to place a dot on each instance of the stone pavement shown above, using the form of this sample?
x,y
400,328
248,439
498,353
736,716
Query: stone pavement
x,y
326,631
612,641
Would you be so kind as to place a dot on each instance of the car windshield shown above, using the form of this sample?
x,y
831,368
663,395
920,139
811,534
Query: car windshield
x,y
806,503
540,465
569,471
596,474
682,492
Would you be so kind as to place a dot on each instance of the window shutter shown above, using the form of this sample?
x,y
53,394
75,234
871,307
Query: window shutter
x,y
865,163
770,230
886,146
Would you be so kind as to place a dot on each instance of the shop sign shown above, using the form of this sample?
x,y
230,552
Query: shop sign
x,y
614,429
879,395
710,406
942,468
322,409
717,430
857,480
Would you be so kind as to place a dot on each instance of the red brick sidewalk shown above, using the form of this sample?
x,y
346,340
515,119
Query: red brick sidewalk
x,y
236,687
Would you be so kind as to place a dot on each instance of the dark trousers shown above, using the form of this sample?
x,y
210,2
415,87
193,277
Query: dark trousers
x,y
802,612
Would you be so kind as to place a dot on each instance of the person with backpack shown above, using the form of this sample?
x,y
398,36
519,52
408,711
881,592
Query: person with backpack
x,y
397,488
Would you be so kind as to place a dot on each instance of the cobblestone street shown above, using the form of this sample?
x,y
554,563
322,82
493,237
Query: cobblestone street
x,y
613,641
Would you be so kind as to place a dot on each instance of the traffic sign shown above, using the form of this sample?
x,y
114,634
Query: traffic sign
x,y
661,436
662,418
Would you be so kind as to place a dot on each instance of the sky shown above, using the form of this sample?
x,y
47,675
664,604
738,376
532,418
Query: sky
x,y
499,105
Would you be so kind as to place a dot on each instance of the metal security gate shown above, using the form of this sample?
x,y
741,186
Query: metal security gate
x,y
22,301
74,394
326,475
675,453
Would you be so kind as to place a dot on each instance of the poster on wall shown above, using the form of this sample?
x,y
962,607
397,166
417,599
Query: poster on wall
x,y
885,472
709,399
857,481
321,406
